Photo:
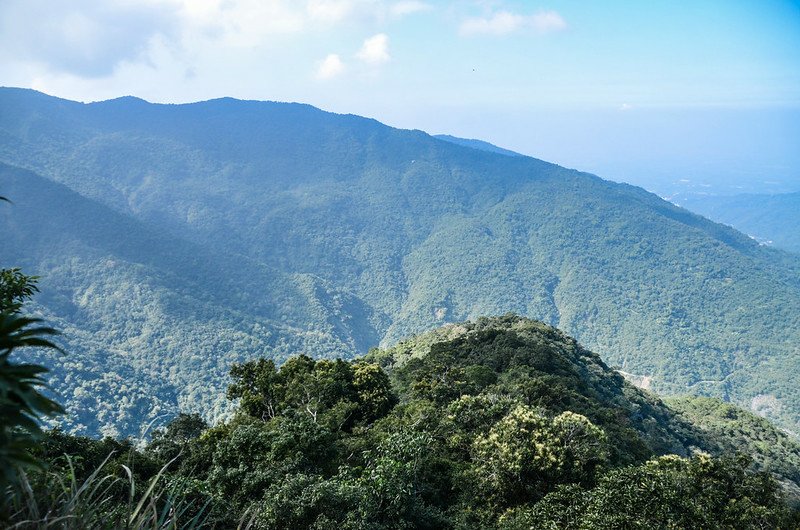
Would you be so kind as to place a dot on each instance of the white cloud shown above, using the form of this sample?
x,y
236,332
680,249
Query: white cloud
x,y
330,67
95,49
94,38
408,7
498,24
505,22
626,106
87,37
375,50
245,23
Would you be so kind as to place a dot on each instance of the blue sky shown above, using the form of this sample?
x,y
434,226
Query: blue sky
x,y
649,92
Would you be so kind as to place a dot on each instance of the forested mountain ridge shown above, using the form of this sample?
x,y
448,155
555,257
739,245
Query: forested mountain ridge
x,y
514,356
402,232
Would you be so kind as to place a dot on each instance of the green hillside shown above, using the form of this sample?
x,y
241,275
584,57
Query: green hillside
x,y
501,423
739,431
150,324
334,233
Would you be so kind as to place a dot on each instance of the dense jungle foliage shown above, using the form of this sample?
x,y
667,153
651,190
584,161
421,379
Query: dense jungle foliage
x,y
500,423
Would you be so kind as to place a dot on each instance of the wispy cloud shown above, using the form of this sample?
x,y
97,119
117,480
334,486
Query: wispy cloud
x,y
408,7
506,22
547,21
330,67
375,50
336,11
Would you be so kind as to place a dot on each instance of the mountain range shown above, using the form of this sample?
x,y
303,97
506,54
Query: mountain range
x,y
174,240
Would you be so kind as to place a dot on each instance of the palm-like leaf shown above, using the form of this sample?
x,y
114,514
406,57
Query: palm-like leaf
x,y
22,403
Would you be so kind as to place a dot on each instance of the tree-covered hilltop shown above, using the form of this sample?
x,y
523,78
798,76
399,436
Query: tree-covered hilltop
x,y
270,229
502,423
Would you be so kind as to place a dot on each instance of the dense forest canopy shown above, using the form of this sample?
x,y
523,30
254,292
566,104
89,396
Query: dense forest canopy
x,y
506,424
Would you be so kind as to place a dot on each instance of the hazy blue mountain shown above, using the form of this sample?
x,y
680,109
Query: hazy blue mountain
x,y
770,219
338,233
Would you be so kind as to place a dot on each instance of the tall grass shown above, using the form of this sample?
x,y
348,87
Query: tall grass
x,y
63,502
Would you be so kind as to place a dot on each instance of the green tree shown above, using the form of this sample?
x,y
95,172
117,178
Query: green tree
x,y
258,387
171,442
373,391
254,455
525,454
674,492
402,482
312,502
22,403
15,289
666,492
337,393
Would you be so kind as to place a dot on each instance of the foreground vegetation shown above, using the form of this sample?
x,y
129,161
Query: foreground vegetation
x,y
500,423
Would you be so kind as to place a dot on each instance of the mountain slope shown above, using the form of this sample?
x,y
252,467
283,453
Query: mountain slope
x,y
417,232
151,323
737,431
550,369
